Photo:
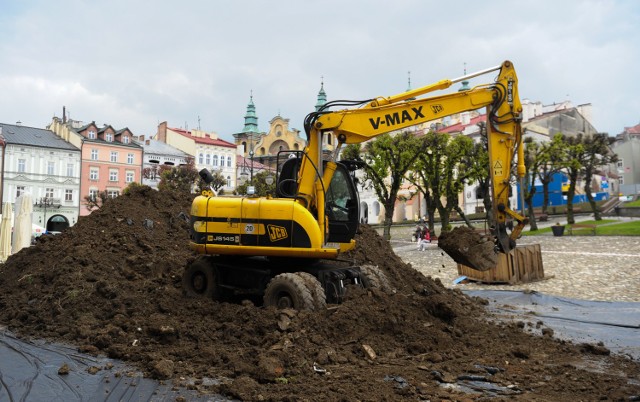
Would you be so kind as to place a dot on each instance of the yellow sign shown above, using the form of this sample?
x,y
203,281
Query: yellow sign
x,y
497,168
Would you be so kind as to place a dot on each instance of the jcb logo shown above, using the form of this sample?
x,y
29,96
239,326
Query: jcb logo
x,y
276,233
436,109
393,119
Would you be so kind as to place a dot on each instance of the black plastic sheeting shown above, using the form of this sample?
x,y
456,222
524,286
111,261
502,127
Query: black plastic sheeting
x,y
615,324
29,369
29,372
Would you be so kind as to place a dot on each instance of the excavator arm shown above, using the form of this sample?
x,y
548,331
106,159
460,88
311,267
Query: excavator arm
x,y
382,115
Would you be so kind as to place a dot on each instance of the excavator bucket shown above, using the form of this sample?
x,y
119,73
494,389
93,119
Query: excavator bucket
x,y
466,246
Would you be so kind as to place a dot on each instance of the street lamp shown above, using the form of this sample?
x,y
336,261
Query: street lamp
x,y
45,203
251,157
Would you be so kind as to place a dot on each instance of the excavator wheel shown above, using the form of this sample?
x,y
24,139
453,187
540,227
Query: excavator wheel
x,y
317,292
373,277
289,290
199,279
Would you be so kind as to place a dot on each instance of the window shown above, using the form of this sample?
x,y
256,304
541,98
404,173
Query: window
x,y
125,139
70,169
328,139
620,164
228,181
207,159
22,165
92,135
201,158
215,160
93,194
113,175
113,193
48,193
94,154
129,178
93,173
228,161
130,159
108,137
51,168
19,191
68,195
114,156
620,180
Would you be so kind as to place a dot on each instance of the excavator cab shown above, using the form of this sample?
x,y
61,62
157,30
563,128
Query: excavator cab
x,y
342,202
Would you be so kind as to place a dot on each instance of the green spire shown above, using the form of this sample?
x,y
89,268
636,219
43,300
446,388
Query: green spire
x,y
250,119
409,85
322,96
465,84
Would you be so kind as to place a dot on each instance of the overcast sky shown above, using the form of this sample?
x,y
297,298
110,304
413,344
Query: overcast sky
x,y
132,63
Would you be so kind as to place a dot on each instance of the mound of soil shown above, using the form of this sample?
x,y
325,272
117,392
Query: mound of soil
x,y
111,285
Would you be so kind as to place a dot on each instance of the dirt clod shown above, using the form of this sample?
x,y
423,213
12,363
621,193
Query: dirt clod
x,y
466,246
111,285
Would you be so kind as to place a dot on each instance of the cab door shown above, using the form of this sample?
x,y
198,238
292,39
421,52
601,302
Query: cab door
x,y
342,206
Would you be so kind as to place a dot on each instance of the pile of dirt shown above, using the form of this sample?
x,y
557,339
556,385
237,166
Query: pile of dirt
x,y
111,285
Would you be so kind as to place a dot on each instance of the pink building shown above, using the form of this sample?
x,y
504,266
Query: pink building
x,y
110,159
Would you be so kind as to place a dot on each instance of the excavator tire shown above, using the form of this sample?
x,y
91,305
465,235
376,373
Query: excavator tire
x,y
317,292
289,291
199,279
373,277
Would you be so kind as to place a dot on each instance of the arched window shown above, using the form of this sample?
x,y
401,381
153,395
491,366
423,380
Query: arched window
x,y
201,158
207,159
228,181
215,160
228,161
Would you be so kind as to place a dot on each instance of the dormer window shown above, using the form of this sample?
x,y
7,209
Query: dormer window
x,y
92,135
108,137
125,139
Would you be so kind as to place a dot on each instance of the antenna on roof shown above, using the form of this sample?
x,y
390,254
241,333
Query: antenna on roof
x,y
198,122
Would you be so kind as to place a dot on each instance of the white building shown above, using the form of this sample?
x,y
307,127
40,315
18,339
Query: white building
x,y
40,163
157,154
207,149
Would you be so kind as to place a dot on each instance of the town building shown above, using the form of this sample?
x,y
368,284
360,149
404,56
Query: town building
x,y
111,160
627,147
38,162
157,156
264,147
208,150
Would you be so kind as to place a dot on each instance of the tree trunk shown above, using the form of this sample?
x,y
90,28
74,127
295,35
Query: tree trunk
x,y
545,196
572,190
462,215
531,213
592,202
388,221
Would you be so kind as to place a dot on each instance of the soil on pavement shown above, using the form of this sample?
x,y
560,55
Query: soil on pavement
x,y
111,285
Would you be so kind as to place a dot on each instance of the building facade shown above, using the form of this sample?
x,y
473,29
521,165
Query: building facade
x,y
208,150
111,159
38,162
156,156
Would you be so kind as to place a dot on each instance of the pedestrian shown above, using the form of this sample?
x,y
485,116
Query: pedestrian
x,y
417,235
424,239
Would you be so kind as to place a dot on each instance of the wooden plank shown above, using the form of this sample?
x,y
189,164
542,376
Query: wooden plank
x,y
521,265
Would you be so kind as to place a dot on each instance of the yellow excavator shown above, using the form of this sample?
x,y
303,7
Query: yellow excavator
x,y
284,247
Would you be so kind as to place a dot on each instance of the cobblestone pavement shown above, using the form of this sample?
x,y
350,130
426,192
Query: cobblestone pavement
x,y
580,267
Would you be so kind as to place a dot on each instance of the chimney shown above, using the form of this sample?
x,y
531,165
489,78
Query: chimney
x,y
147,142
64,114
